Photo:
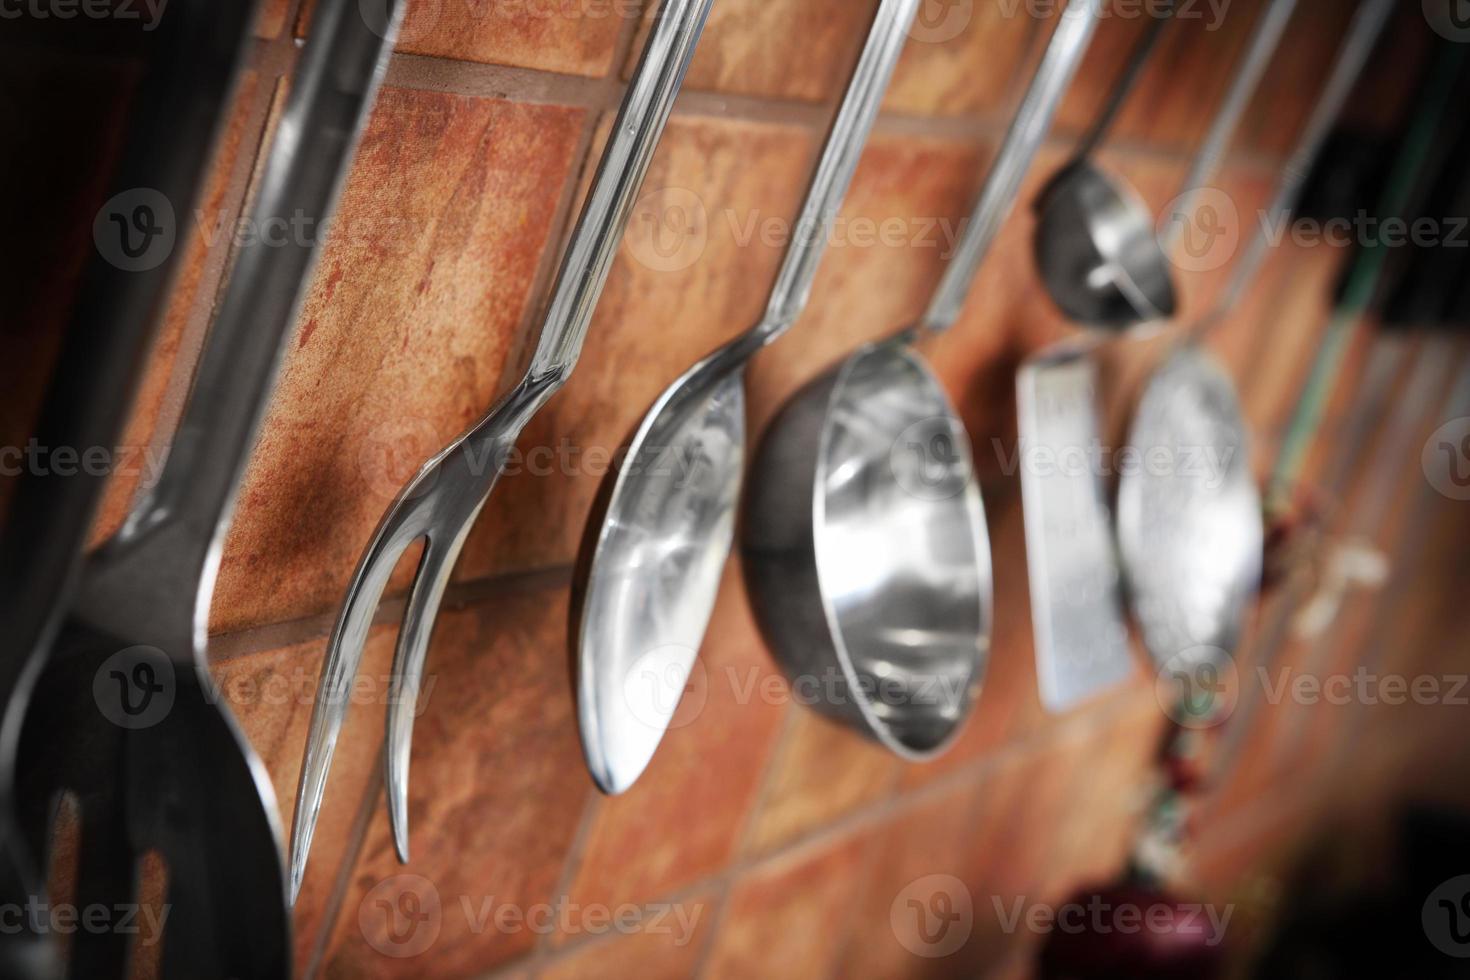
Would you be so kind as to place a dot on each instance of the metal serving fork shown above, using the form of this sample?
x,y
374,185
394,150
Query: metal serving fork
x,y
126,716
440,503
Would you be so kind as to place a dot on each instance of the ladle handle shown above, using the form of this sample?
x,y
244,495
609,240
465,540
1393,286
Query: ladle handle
x,y
1058,65
599,232
840,156
1367,25
1262,46
1123,88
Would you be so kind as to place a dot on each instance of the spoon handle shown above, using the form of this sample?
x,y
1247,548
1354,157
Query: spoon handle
x,y
1263,43
599,232
840,156
1138,58
1060,62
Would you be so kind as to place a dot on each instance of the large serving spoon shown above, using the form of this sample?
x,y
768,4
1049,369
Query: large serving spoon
x,y
126,716
865,547
1190,535
648,583
440,503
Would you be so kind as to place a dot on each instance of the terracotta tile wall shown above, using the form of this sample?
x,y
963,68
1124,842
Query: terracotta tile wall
x,y
785,842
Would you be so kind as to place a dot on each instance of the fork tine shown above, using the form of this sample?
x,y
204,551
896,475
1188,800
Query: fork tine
x,y
401,526
408,671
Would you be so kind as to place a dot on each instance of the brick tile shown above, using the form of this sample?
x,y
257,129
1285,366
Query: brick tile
x,y
402,339
961,59
643,843
801,50
271,695
498,788
573,38
667,946
784,917
820,772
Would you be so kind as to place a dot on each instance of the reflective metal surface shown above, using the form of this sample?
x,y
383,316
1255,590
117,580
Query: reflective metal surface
x,y
1097,252
1104,265
439,505
1190,531
865,547
877,598
1076,601
1189,511
1095,245
647,584
126,716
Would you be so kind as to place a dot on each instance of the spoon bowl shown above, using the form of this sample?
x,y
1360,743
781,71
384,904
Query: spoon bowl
x,y
664,532
866,551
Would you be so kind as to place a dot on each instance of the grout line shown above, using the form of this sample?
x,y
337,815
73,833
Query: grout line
x,y
571,863
872,815
504,82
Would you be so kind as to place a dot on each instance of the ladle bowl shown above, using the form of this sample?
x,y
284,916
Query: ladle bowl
x,y
866,552
1098,253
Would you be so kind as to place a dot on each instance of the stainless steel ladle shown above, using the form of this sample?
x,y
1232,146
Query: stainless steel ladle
x,y
648,584
865,547
439,505
1190,537
1095,245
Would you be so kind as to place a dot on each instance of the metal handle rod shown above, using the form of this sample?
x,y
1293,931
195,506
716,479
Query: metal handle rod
x,y
1123,88
330,95
1363,34
1265,39
1058,65
599,232
843,150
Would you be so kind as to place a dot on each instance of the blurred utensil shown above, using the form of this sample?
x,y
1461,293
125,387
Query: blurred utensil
x,y
649,583
1095,245
126,716
865,547
196,56
1190,535
440,503
1119,276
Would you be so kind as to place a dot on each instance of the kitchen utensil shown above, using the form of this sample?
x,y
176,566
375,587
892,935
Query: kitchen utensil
x,y
1120,276
196,54
1190,534
440,503
648,586
1095,245
864,541
126,716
